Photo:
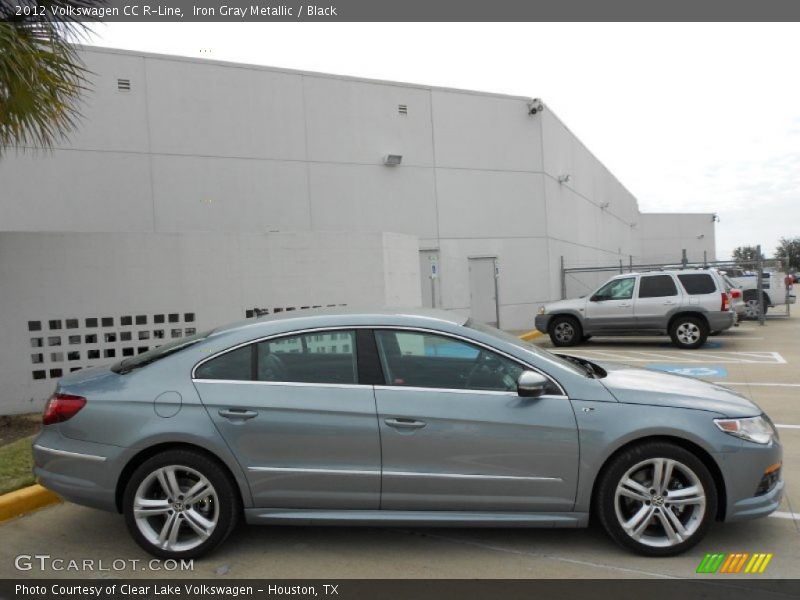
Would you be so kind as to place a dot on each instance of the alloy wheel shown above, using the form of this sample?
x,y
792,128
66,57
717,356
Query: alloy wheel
x,y
660,502
688,333
752,308
564,331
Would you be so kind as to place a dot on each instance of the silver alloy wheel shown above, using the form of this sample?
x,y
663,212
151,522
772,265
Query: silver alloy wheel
x,y
564,331
688,333
752,308
176,508
660,502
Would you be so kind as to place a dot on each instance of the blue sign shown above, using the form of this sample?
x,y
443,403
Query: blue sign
x,y
692,370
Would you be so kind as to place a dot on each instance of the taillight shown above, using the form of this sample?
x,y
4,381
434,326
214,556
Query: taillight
x,y
736,294
62,407
726,302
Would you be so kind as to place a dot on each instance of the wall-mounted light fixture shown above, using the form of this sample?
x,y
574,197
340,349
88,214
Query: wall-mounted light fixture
x,y
605,205
392,160
563,178
633,225
534,106
714,218
701,236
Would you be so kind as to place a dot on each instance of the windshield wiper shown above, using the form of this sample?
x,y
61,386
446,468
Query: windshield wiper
x,y
583,364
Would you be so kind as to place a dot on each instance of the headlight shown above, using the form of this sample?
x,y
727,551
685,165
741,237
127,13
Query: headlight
x,y
541,310
753,429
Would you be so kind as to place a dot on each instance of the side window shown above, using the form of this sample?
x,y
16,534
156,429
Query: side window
x,y
657,286
697,283
617,289
236,365
416,359
319,357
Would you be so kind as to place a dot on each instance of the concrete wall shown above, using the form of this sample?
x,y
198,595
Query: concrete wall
x,y
664,235
212,277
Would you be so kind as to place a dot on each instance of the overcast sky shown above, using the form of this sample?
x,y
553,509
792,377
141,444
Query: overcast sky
x,y
689,117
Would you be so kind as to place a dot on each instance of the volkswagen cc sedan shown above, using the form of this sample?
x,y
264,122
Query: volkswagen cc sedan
x,y
417,418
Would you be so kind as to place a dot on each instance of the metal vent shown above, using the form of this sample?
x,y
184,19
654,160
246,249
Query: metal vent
x,y
124,85
402,109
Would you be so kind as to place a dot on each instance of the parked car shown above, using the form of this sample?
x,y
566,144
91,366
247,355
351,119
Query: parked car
x,y
413,418
687,306
737,297
773,290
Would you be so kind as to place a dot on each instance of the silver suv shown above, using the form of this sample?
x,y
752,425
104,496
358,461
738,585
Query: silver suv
x,y
686,305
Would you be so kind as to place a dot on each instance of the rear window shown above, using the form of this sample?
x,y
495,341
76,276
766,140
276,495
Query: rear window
x,y
656,286
697,283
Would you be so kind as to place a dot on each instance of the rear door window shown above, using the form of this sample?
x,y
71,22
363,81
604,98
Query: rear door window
x,y
657,286
697,283
319,357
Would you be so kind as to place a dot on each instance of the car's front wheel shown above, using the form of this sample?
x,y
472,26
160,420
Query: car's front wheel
x,y
180,504
656,499
688,332
565,331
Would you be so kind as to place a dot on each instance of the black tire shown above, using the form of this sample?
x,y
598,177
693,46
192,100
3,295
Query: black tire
x,y
688,332
611,509
565,331
226,504
752,305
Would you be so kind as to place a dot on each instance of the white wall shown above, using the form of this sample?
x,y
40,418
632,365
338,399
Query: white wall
x,y
665,235
214,276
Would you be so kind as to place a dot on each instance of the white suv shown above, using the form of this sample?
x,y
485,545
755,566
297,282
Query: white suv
x,y
687,305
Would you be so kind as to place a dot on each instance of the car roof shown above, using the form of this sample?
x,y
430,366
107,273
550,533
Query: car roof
x,y
346,315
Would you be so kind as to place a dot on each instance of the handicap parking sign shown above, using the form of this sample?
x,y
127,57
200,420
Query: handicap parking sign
x,y
692,371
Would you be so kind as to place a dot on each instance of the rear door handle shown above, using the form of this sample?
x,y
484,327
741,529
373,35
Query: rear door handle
x,y
405,423
624,305
670,302
237,414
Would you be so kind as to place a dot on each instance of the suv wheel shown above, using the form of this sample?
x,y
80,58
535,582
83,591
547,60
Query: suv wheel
x,y
180,504
656,499
688,332
565,331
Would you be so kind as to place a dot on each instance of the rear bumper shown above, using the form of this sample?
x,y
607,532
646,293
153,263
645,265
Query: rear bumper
x,y
81,472
719,321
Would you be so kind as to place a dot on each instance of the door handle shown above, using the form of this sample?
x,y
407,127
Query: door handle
x,y
670,302
237,413
626,305
405,423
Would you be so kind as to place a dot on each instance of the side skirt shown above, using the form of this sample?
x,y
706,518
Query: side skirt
x,y
417,518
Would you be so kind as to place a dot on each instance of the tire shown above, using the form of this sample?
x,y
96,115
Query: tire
x,y
688,332
648,523
155,482
714,333
751,305
565,331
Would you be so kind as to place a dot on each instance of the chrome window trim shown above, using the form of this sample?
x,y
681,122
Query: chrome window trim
x,y
285,383
423,330
65,453
401,473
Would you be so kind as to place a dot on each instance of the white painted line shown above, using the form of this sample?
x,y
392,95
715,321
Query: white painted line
x,y
696,357
785,515
782,426
756,383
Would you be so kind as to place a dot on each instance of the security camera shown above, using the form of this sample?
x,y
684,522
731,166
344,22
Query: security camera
x,y
535,105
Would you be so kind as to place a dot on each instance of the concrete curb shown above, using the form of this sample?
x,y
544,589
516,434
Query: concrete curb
x,y
530,335
28,499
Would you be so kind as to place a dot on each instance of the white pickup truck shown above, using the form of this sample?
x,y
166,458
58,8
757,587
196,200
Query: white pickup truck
x,y
773,285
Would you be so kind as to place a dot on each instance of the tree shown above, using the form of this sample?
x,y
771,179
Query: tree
x,y
746,254
41,75
788,252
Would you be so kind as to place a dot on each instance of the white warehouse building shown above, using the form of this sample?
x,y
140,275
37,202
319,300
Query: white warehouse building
x,y
194,192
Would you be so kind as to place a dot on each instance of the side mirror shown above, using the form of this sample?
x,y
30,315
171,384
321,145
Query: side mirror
x,y
531,384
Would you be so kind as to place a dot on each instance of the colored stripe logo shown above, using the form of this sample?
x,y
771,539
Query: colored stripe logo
x,y
737,562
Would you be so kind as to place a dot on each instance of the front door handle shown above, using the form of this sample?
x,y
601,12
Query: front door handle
x,y
405,423
237,414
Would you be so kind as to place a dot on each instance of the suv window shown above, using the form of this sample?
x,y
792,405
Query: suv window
x,y
616,289
319,357
417,359
697,283
236,365
657,286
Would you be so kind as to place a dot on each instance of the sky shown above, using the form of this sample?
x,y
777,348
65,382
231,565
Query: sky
x,y
689,117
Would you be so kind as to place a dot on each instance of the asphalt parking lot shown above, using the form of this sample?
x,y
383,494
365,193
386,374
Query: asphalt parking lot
x,y
759,362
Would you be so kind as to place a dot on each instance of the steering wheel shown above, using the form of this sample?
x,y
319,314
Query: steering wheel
x,y
272,368
484,360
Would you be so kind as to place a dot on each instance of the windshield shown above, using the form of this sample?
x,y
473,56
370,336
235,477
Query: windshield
x,y
512,339
151,356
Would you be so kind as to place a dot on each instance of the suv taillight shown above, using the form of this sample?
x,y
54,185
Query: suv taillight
x,y
736,294
62,407
726,302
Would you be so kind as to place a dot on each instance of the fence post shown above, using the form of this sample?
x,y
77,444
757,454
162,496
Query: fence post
x,y
684,258
630,263
563,280
760,285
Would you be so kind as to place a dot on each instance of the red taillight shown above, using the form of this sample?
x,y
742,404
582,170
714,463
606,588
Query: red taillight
x,y
62,407
726,302
736,294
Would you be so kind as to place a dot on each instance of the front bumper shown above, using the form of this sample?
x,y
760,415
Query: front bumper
x,y
542,322
743,471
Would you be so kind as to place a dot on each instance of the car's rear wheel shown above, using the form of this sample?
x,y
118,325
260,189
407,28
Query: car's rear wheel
x,y
180,504
656,499
688,332
565,331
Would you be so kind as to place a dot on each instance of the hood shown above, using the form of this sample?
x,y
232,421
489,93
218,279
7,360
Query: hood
x,y
642,386
573,304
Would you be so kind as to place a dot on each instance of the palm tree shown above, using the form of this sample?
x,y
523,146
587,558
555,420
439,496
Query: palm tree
x,y
41,75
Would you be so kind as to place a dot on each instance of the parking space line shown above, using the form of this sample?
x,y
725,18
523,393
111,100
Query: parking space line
x,y
785,515
757,383
698,357
782,426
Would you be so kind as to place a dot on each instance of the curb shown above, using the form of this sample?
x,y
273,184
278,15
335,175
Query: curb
x,y
25,500
530,335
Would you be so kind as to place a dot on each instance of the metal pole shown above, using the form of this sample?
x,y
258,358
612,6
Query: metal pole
x,y
496,293
620,267
630,263
684,258
760,285
705,258
563,280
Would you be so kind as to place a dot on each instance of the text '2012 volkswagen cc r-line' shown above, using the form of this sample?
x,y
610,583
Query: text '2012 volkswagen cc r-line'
x,y
415,418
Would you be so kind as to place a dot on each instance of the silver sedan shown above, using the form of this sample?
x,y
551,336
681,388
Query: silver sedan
x,y
407,418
